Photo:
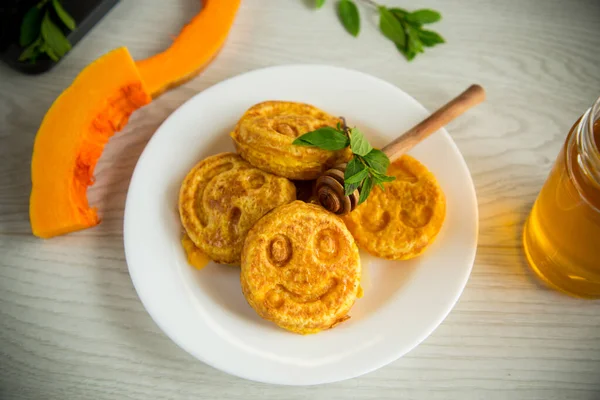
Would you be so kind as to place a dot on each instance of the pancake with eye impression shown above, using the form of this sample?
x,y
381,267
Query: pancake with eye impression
x,y
220,200
301,268
398,223
264,136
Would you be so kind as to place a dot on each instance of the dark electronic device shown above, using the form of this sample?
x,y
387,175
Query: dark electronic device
x,y
86,13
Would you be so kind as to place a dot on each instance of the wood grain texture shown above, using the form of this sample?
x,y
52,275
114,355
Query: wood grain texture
x,y
472,96
72,327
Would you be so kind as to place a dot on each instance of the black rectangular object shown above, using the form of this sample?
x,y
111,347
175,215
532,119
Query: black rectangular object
x,y
86,13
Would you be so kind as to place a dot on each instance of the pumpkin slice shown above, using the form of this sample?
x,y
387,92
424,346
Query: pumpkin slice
x,y
72,137
197,44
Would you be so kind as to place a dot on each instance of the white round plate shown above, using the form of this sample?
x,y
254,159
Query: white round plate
x,y
204,311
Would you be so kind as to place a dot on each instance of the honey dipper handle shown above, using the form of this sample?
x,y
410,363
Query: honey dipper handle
x,y
457,106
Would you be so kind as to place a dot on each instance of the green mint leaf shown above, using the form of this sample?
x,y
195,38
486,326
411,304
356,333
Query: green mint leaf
x,y
349,188
354,167
377,160
413,45
380,179
414,42
349,16
30,26
32,51
365,190
44,48
64,16
358,143
54,38
391,27
325,138
383,178
424,16
400,13
409,54
357,178
430,38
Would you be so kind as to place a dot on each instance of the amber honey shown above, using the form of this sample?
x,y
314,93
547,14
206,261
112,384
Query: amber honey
x,y
195,257
562,234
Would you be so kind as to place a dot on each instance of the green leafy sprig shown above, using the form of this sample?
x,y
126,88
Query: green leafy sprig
x,y
368,166
39,33
403,28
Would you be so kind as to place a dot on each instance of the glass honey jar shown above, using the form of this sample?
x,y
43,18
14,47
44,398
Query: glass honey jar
x,y
562,234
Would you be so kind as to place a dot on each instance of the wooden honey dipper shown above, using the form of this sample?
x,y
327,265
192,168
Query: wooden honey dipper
x,y
330,185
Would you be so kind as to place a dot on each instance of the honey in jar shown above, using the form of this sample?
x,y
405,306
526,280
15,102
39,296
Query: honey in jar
x,y
562,234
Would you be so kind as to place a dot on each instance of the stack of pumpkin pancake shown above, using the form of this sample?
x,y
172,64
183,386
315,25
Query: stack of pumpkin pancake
x,y
300,265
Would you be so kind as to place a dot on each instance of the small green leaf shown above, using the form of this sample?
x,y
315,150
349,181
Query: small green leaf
x,y
64,16
357,178
377,160
399,12
32,51
414,42
326,138
354,167
30,26
409,54
365,190
349,16
44,48
424,16
358,142
383,178
430,38
54,38
380,179
349,188
391,27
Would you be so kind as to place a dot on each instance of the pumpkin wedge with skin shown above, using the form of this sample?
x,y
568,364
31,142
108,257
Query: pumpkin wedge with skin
x,y
195,46
72,137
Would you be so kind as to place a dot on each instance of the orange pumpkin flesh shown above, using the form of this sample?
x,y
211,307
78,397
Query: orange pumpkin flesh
x,y
72,137
99,102
197,44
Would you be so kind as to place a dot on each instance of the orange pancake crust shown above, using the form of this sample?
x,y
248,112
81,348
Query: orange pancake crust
x,y
301,268
264,136
398,223
222,197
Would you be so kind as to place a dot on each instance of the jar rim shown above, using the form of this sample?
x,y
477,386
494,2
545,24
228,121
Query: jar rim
x,y
593,117
588,157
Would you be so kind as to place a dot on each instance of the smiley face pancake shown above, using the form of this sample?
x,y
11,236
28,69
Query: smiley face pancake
x,y
264,136
398,223
301,268
220,200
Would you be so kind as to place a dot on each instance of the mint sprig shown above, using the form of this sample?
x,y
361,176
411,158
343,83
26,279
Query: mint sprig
x,y
349,16
402,27
41,35
368,166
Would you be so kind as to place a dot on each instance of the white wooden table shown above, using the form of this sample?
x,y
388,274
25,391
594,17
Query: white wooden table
x,y
72,327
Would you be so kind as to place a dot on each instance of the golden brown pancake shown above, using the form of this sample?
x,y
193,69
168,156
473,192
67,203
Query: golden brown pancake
x,y
399,222
265,133
301,268
220,200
